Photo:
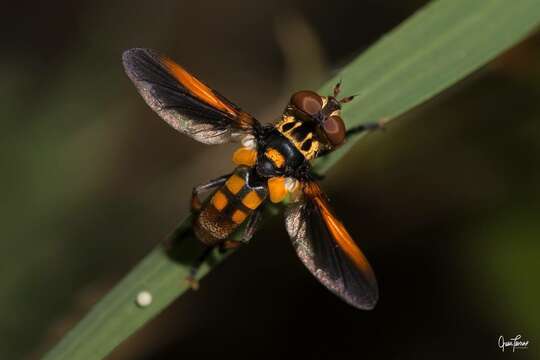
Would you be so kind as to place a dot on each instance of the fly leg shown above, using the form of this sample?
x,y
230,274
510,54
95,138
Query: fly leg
x,y
316,176
196,207
192,277
252,225
249,231
365,127
212,184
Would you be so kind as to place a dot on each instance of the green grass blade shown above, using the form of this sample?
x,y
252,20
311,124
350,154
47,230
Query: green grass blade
x,y
435,48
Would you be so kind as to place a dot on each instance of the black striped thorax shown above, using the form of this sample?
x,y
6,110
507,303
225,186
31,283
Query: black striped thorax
x,y
302,134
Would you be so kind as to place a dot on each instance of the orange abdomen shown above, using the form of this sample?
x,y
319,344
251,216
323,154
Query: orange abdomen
x,y
229,206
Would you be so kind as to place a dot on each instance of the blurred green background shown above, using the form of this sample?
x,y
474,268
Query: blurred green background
x,y
446,200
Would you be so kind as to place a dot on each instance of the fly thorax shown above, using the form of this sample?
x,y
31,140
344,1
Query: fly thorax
x,y
302,134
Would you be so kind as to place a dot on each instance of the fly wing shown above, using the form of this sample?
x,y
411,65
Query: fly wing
x,y
183,101
328,251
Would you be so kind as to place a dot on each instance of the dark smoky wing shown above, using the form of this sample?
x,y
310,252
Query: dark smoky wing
x,y
183,101
325,249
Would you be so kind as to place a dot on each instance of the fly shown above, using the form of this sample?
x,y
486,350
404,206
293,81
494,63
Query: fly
x,y
273,162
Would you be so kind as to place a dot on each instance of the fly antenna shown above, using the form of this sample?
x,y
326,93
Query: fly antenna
x,y
348,99
337,88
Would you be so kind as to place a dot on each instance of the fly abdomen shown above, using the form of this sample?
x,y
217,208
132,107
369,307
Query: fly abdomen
x,y
229,206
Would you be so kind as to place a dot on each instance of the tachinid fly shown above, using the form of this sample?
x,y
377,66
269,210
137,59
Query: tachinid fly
x,y
272,163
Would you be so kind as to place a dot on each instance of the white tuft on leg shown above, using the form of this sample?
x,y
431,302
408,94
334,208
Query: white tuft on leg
x,y
249,142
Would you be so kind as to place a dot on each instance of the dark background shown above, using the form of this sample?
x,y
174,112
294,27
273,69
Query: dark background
x,y
445,202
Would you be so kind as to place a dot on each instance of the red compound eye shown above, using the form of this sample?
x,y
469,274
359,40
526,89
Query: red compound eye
x,y
334,129
307,101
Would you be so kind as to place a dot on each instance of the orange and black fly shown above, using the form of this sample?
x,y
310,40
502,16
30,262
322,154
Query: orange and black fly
x,y
273,162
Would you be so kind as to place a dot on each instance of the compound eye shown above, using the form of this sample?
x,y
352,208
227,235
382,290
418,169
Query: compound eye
x,y
307,101
334,129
